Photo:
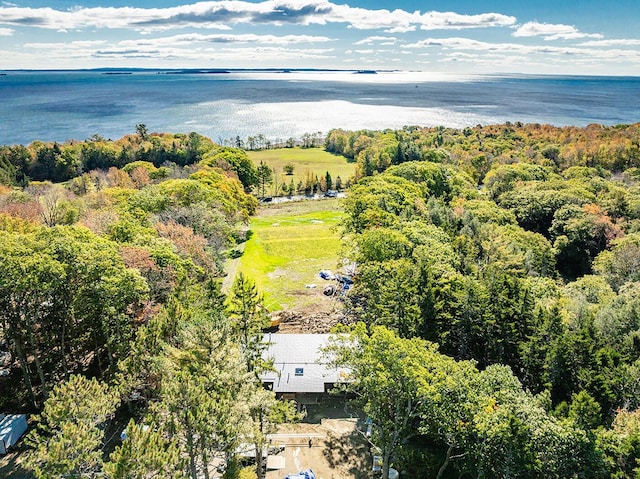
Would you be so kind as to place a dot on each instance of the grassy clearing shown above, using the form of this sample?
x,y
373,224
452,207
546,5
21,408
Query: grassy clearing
x,y
305,161
290,243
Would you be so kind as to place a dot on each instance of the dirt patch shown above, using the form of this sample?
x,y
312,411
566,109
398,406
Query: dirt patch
x,y
284,273
12,464
334,449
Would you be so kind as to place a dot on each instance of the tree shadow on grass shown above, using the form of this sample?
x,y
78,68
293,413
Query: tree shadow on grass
x,y
349,450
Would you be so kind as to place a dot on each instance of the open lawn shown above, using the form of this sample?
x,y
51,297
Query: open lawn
x,y
290,243
305,161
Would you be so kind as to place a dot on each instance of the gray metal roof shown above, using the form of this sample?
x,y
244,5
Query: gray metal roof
x,y
299,365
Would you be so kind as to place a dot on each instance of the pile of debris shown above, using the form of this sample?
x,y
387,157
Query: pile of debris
x,y
340,283
314,322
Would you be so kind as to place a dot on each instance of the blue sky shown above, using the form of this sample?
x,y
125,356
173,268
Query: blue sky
x,y
461,36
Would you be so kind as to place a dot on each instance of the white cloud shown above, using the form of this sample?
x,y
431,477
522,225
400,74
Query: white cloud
x,y
377,39
524,53
459,43
209,32
453,42
199,55
74,44
187,46
221,14
193,38
455,21
371,51
401,29
178,51
551,31
273,53
402,21
621,42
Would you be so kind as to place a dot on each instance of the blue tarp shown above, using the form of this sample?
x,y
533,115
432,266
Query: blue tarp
x,y
12,427
308,474
326,274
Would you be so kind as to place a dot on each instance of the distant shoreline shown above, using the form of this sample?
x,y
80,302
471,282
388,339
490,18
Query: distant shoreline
x,y
281,104
284,70
198,70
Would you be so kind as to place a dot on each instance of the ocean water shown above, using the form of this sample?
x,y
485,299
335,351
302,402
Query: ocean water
x,y
59,106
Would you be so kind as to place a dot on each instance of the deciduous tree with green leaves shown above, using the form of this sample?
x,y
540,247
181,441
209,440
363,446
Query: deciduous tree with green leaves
x,y
394,379
65,293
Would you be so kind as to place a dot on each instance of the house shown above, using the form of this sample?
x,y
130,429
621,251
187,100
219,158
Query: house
x,y
301,371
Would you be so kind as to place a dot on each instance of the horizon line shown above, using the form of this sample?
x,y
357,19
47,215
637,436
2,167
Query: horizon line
x,y
223,70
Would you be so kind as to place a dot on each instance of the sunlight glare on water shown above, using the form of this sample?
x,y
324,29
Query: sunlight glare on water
x,y
315,116
293,119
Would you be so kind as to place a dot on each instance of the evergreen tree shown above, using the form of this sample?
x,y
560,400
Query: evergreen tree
x,y
70,434
144,454
328,181
265,178
249,318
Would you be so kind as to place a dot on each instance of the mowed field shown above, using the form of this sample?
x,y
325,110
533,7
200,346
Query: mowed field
x,y
290,243
305,161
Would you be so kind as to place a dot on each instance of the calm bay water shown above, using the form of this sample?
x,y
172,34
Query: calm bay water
x,y
58,106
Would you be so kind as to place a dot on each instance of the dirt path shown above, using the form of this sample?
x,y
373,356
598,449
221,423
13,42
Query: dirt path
x,y
231,267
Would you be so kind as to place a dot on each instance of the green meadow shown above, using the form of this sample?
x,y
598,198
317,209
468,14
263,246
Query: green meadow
x,y
305,162
289,244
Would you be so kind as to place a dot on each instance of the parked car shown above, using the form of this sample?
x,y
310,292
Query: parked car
x,y
308,474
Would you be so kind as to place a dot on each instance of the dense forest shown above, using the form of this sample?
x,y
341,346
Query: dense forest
x,y
496,305
110,307
516,250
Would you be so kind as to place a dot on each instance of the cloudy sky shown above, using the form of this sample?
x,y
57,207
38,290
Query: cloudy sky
x,y
462,36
